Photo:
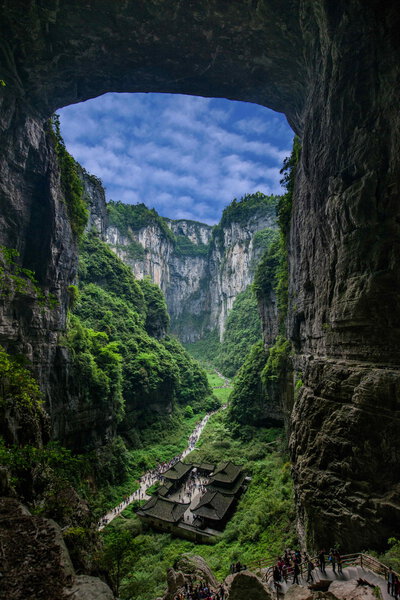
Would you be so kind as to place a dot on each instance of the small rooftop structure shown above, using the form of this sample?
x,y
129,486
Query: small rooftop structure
x,y
177,472
163,509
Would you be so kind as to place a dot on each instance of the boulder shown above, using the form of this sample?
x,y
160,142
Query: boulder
x,y
349,590
245,586
196,566
298,592
89,588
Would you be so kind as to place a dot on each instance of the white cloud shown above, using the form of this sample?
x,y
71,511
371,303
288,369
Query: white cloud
x,y
187,156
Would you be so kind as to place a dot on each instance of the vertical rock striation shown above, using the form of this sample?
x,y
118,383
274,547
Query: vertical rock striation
x,y
344,257
200,269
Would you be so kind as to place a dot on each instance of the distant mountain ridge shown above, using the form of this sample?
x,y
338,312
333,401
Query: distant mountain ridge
x,y
200,268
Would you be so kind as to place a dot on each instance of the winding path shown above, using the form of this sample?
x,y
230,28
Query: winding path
x,y
227,382
150,477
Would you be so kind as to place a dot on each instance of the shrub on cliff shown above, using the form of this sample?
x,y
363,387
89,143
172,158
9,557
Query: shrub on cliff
x,y
242,330
121,312
157,317
248,398
71,184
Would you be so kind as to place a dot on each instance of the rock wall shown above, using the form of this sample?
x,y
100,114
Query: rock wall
x,y
333,68
344,290
199,288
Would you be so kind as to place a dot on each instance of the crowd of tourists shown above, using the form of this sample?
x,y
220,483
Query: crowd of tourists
x,y
200,591
293,564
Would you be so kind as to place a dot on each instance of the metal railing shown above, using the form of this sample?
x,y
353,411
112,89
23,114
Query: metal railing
x,y
347,560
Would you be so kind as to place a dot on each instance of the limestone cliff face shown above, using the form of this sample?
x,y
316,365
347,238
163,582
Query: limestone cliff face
x,y
157,251
34,221
201,280
333,69
233,259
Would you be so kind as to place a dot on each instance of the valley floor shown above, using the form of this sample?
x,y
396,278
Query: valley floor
x,y
261,527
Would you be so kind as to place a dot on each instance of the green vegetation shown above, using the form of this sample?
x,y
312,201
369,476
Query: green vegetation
x,y
264,238
241,211
15,279
278,356
130,218
133,378
261,527
264,369
124,312
97,366
247,402
243,329
30,464
100,266
215,381
213,378
185,247
391,557
206,349
157,317
223,394
71,184
17,385
272,270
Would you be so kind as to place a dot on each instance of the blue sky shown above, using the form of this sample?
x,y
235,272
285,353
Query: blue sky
x,y
186,156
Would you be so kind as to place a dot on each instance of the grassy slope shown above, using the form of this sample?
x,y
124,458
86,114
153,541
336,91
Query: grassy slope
x,y
215,380
261,527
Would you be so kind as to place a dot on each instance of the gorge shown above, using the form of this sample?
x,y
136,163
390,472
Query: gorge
x,y
333,69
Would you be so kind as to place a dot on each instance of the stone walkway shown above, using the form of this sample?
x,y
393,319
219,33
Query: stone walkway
x,y
149,478
351,572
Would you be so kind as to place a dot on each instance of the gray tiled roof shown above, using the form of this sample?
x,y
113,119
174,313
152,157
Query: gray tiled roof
x,y
178,471
232,488
163,490
213,505
205,467
226,472
164,509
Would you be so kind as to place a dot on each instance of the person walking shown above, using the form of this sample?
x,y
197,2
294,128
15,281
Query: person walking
x,y
397,588
390,581
339,562
310,568
276,574
321,559
332,559
296,572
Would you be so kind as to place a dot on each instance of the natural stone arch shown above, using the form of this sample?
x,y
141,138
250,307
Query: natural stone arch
x,y
333,69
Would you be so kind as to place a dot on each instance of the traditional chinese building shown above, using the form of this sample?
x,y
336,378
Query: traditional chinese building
x,y
177,475
228,479
213,510
163,513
